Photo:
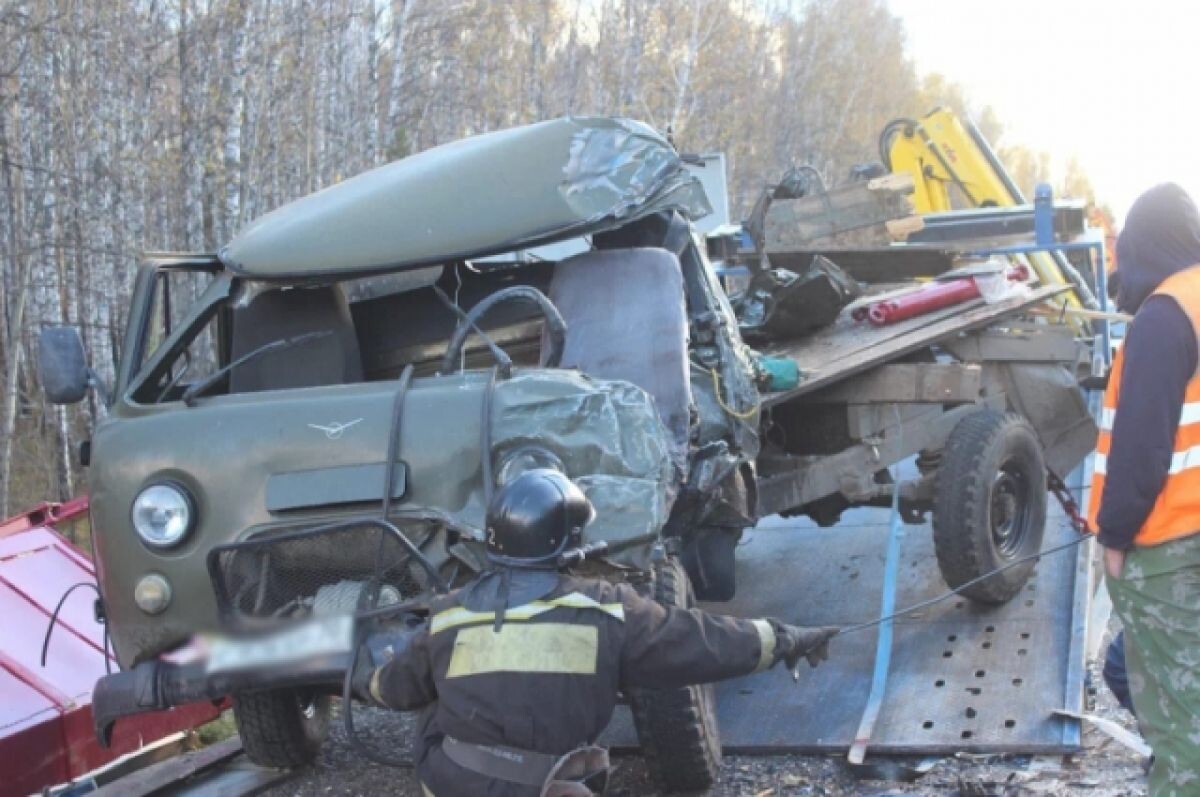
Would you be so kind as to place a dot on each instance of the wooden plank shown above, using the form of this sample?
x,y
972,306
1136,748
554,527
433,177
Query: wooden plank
x,y
900,229
1023,342
847,348
853,215
237,777
170,772
1082,312
906,383
902,182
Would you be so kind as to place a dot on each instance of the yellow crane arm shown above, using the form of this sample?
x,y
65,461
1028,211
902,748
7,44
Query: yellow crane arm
x,y
940,154
945,158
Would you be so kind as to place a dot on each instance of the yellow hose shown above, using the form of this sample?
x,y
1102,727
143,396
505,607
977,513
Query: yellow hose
x,y
717,390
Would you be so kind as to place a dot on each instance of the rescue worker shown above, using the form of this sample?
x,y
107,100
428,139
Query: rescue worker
x,y
1145,500
520,670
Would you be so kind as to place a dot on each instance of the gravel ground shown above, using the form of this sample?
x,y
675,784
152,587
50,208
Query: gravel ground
x,y
1104,769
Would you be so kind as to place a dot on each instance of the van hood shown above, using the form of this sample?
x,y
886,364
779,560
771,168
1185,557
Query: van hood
x,y
488,194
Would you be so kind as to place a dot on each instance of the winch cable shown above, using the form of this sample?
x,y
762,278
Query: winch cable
x,y
1054,485
485,435
54,621
453,306
1075,518
957,590
393,446
363,612
362,747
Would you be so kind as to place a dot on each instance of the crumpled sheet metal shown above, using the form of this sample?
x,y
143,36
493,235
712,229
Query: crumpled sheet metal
x,y
610,439
734,360
484,195
617,165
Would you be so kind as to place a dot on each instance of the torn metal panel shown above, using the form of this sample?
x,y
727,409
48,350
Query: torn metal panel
x,y
946,383
723,368
610,440
1048,395
484,195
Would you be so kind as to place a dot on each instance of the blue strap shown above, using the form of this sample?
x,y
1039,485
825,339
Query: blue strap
x,y
883,648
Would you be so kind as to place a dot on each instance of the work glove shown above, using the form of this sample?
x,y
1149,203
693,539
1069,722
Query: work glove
x,y
364,671
377,650
795,642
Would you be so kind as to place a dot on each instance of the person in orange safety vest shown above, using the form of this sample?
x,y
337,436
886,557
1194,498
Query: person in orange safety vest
x,y
1145,498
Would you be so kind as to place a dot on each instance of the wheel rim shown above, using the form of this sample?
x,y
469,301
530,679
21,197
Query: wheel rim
x,y
1009,509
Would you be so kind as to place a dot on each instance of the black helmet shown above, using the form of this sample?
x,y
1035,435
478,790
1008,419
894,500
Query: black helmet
x,y
535,517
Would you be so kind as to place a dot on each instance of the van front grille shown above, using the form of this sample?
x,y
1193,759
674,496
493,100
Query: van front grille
x,y
333,569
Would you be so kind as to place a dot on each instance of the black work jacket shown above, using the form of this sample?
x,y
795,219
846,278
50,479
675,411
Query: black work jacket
x,y
549,679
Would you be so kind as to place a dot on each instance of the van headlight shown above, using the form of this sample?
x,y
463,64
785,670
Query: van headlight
x,y
163,515
526,458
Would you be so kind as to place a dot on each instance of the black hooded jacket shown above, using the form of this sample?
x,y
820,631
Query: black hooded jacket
x,y
1161,237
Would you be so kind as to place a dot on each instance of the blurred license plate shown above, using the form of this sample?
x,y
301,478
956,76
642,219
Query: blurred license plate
x,y
310,639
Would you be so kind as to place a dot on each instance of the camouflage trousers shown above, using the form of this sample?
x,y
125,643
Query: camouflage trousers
x,y
1157,598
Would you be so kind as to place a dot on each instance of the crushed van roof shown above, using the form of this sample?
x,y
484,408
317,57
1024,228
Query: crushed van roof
x,y
483,195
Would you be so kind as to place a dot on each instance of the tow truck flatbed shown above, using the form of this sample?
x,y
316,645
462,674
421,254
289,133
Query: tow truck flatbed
x,y
848,347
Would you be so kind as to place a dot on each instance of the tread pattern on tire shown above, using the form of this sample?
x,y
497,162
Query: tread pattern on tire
x,y
677,741
962,492
274,731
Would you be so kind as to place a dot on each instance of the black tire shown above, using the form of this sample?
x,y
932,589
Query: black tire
x,y
709,559
677,728
989,506
281,728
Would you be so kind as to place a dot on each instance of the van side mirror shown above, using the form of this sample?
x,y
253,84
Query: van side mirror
x,y
61,365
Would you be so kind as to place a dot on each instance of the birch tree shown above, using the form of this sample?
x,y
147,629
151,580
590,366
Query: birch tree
x,y
144,125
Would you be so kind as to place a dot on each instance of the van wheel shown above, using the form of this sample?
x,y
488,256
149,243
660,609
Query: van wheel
x,y
989,504
281,728
709,558
677,728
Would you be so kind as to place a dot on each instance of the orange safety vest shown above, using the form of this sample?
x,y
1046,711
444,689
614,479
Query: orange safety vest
x,y
1176,513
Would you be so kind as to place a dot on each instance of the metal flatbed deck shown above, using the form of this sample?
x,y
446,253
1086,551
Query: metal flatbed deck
x,y
964,677
847,347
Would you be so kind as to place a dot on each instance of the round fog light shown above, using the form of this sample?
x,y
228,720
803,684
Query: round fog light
x,y
152,593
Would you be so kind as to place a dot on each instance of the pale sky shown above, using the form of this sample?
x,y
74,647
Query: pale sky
x,y
1115,83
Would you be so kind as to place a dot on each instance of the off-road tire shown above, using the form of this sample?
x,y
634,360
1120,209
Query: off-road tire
x,y
677,728
710,561
992,469
281,728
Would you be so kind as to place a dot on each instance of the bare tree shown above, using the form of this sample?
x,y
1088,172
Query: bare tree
x,y
167,124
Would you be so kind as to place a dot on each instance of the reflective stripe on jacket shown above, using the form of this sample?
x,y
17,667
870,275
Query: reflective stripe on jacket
x,y
548,680
1176,512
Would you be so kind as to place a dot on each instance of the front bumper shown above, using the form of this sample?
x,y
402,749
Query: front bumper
x,y
158,685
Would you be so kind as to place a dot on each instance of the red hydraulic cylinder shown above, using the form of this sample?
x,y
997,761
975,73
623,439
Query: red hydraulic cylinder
x,y
930,298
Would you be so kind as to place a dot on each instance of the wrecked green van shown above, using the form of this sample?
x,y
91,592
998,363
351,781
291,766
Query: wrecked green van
x,y
359,369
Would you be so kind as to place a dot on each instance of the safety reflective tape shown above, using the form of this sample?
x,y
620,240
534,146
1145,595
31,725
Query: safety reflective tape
x,y
1180,461
1183,460
766,644
452,618
525,648
1189,415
